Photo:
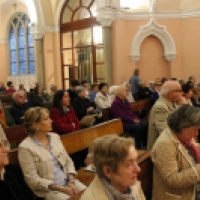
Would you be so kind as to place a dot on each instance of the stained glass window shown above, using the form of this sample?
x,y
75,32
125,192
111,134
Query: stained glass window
x,y
21,46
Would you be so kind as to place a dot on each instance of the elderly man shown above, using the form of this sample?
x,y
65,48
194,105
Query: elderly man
x,y
12,184
171,92
19,106
53,89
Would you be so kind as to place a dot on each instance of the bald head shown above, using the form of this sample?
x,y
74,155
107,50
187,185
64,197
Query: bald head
x,y
171,90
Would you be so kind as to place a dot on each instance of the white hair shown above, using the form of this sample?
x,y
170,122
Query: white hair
x,y
15,94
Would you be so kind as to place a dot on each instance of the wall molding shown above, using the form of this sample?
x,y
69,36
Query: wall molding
x,y
4,41
160,32
133,15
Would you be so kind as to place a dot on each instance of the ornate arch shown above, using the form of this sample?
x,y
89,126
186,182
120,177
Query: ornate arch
x,y
160,32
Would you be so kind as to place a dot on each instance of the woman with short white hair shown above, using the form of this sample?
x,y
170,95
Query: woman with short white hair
x,y
121,108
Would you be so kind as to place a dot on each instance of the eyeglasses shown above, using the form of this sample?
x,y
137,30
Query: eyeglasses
x,y
4,143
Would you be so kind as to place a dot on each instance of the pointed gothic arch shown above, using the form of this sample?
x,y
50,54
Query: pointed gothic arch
x,y
160,32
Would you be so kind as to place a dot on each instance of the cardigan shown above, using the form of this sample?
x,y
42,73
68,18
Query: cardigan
x,y
122,109
62,123
37,166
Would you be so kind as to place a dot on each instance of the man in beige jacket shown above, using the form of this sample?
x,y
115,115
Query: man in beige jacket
x,y
170,93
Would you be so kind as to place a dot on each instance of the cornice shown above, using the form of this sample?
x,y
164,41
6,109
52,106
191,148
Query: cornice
x,y
133,15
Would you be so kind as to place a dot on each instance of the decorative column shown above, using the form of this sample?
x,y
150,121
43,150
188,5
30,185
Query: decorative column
x,y
106,16
38,33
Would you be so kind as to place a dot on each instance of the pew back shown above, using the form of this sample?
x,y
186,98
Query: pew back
x,y
82,139
135,106
15,134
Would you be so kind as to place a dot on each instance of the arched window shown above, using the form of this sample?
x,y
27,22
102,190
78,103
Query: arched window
x,y
82,55
21,46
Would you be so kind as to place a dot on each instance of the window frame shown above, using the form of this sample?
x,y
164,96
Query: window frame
x,y
25,25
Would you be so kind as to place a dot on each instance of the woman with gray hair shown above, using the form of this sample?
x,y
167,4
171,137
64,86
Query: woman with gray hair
x,y
115,161
176,157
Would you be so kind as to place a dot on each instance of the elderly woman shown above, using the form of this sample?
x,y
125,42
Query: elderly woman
x,y
47,168
121,108
176,157
129,96
115,161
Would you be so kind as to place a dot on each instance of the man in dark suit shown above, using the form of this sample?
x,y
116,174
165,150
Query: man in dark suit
x,y
19,107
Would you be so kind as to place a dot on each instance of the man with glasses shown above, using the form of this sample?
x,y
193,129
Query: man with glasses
x,y
19,106
170,93
12,184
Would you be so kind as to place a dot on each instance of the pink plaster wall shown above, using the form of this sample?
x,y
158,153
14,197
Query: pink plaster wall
x,y
4,67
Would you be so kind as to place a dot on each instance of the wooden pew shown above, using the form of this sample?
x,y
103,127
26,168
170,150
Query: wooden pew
x,y
135,106
82,139
15,134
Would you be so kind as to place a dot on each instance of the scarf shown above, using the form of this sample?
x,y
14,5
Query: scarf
x,y
114,194
3,120
194,150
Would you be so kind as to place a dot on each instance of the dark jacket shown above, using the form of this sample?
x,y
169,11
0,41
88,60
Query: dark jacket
x,y
144,93
195,103
120,109
35,100
80,106
72,94
154,97
17,112
13,187
62,123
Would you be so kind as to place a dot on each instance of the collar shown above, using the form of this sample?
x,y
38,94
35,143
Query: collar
x,y
37,142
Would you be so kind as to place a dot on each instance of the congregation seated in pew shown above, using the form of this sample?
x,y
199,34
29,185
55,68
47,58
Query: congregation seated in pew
x,y
115,162
19,107
47,167
121,108
62,115
176,157
12,184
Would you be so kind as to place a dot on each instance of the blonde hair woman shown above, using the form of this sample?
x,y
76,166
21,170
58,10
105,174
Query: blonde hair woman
x,y
47,168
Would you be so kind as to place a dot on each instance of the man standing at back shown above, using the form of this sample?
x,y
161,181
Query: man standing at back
x,y
134,81
171,92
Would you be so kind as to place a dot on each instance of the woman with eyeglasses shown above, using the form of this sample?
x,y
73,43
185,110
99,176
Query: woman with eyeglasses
x,y
115,162
47,167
